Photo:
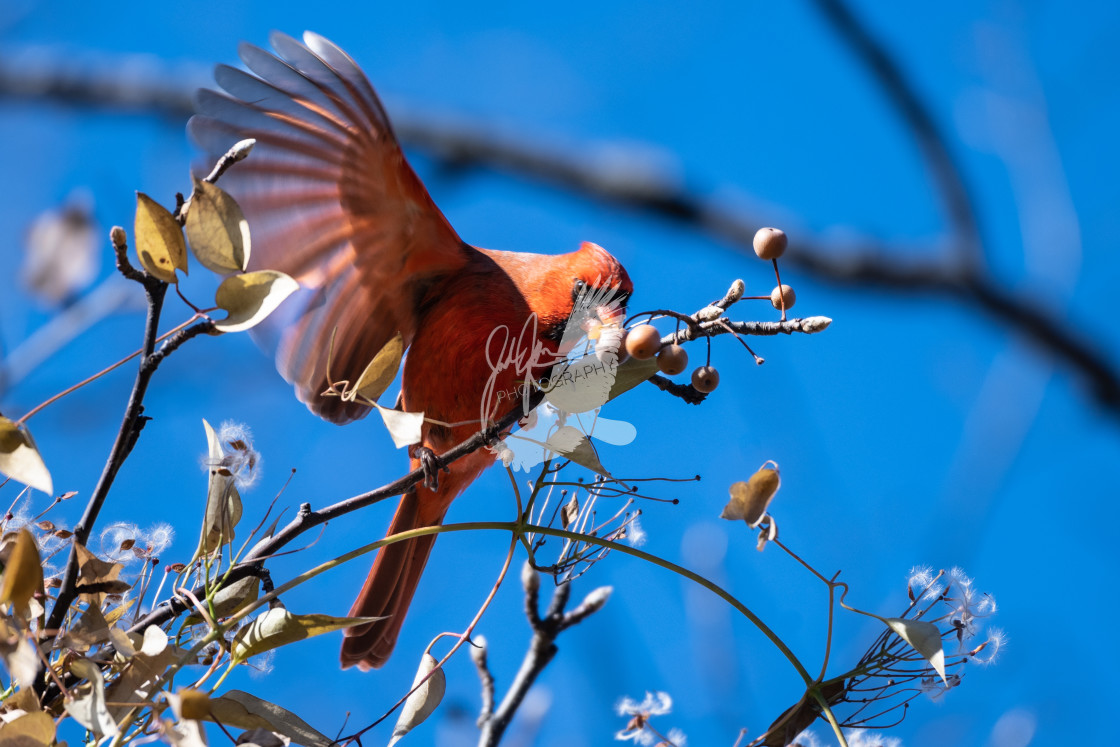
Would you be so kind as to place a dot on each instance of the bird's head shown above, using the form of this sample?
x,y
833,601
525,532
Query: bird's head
x,y
598,289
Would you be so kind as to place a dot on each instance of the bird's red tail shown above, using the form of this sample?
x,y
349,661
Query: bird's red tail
x,y
389,587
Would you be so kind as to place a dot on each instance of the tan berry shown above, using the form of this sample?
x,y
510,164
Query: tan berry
x,y
672,359
770,243
643,342
783,291
705,379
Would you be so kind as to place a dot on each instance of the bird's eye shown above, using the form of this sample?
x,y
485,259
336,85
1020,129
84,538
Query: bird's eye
x,y
578,288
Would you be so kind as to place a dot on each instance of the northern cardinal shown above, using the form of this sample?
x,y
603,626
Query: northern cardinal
x,y
331,200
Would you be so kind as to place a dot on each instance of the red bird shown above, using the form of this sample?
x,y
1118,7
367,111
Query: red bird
x,y
331,200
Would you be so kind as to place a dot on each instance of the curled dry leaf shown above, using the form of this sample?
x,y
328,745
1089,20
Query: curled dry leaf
x,y
19,458
217,229
751,499
404,427
246,711
277,627
424,698
381,371
159,240
23,573
251,297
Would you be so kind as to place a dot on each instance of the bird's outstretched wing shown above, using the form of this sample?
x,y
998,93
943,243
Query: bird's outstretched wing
x,y
330,200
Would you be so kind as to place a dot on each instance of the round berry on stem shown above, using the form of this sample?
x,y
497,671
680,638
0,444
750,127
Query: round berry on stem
x,y
770,243
705,379
643,342
783,292
672,359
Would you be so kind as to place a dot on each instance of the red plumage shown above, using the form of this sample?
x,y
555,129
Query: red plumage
x,y
332,201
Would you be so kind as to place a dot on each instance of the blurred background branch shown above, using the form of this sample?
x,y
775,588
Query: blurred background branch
x,y
957,272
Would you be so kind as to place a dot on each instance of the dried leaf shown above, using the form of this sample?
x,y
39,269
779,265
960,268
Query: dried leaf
x,y
28,730
90,630
750,499
237,708
223,502
186,733
159,240
19,458
277,627
23,573
150,662
192,704
217,229
122,643
423,700
404,427
90,711
251,297
570,512
924,637
381,371
98,577
570,443
18,654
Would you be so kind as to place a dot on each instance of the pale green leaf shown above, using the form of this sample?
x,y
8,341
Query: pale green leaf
x,y
217,229
232,599
425,698
159,240
924,637
246,711
20,459
571,443
405,428
277,627
90,710
250,298
630,373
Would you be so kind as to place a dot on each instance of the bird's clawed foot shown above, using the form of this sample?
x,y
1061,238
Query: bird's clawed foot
x,y
431,464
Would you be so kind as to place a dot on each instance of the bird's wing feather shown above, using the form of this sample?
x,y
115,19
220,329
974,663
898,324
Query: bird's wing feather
x,y
330,200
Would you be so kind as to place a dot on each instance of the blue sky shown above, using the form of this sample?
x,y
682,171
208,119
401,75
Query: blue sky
x,y
915,430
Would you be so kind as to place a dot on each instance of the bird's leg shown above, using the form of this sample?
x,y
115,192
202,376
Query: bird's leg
x,y
430,463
